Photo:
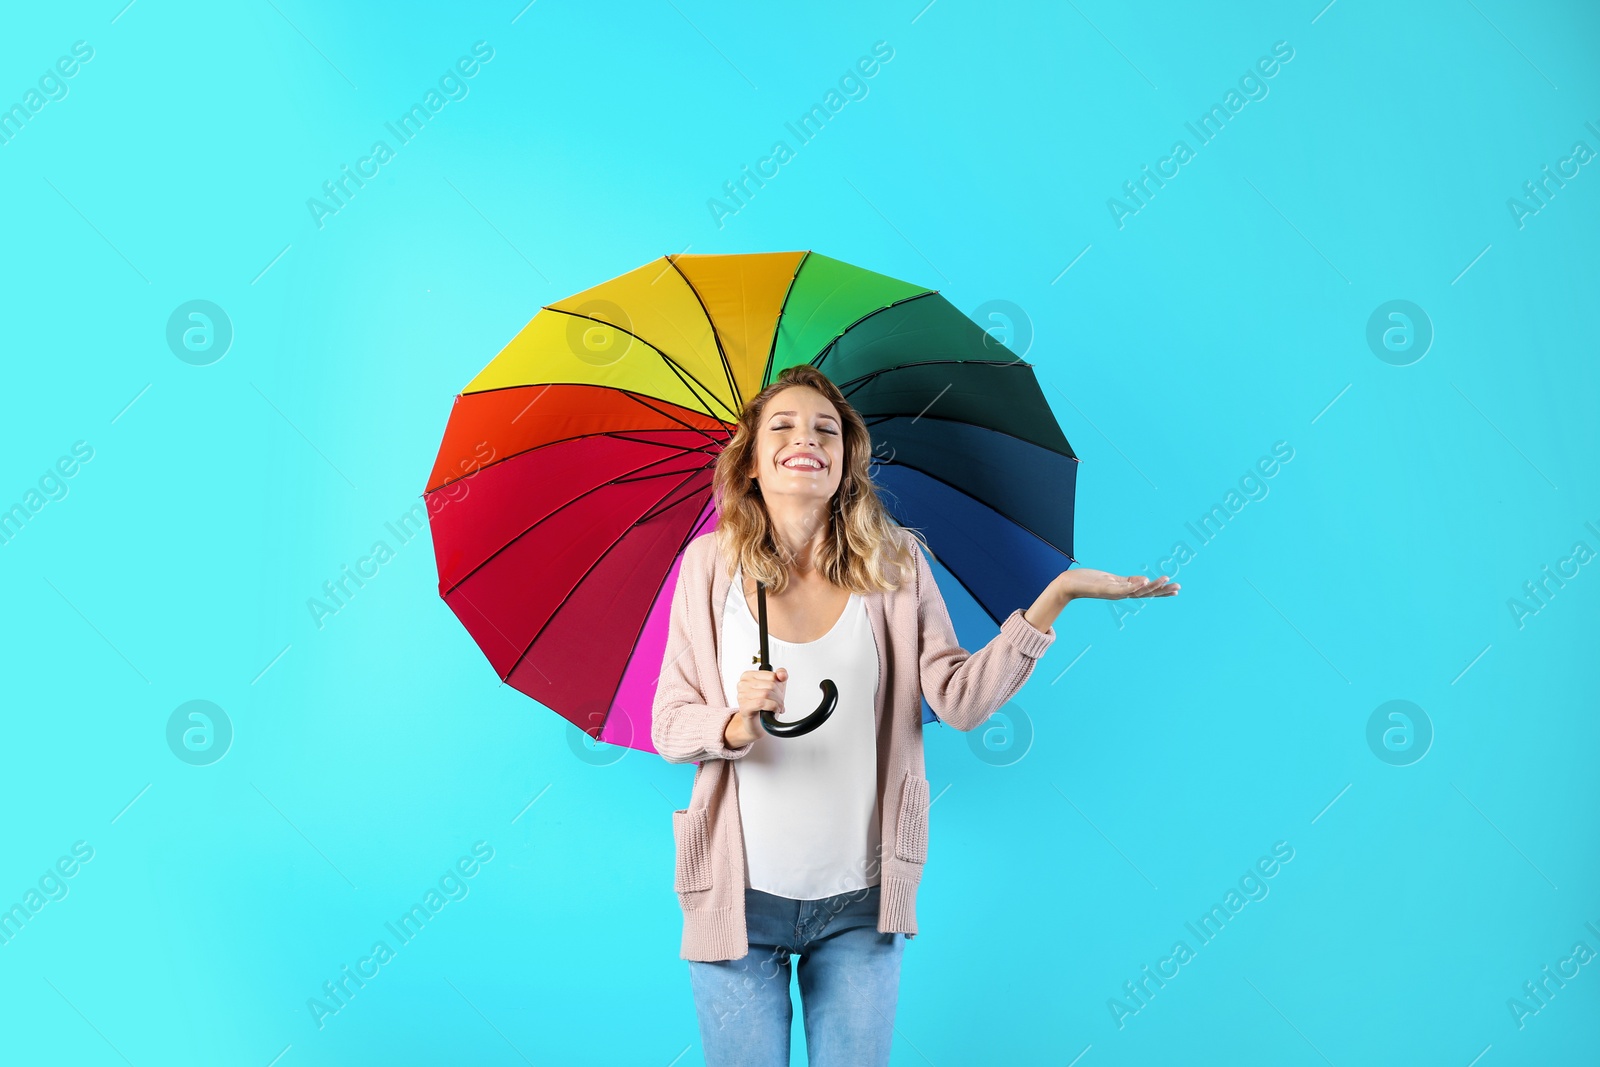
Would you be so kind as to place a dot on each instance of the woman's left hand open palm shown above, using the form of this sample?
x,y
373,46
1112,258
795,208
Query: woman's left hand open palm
x,y
1102,585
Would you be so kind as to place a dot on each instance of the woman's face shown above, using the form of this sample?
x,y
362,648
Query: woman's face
x,y
799,422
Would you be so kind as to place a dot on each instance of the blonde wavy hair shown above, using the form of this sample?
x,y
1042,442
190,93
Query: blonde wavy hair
x,y
864,550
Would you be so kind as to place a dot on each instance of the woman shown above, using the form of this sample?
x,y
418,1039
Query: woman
x,y
815,845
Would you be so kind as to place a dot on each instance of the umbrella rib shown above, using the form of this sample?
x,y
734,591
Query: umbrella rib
x,y
1009,518
660,508
687,378
860,383
777,327
936,362
592,489
563,603
638,398
976,599
672,363
855,385
816,310
832,345
681,334
628,475
659,474
643,401
622,435
633,647
565,440
497,630
879,419
716,334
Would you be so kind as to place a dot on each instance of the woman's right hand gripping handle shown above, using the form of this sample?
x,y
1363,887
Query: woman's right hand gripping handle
x,y
758,691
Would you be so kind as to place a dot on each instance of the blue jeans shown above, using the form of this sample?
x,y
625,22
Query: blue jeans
x,y
849,984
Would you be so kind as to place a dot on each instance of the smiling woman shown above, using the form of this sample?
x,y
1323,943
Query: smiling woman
x,y
814,844
798,513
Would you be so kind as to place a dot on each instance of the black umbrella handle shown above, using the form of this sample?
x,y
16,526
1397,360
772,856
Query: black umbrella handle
x,y
830,692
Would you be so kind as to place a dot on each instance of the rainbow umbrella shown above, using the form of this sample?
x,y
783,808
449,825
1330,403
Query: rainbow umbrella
x,y
576,467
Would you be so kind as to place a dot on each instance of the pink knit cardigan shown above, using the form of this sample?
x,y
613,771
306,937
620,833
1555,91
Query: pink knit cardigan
x,y
918,656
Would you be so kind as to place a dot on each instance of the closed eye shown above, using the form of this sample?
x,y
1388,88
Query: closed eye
x,y
785,426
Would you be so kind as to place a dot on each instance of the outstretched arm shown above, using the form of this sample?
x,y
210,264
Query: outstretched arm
x,y
963,687
966,688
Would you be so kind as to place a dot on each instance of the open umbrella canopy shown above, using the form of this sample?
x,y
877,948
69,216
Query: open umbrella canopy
x,y
577,465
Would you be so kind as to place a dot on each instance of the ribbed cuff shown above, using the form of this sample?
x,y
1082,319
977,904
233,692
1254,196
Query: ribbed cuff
x,y
1024,637
714,934
897,905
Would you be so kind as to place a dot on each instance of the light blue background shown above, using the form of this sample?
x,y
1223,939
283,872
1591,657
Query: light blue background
x,y
1228,314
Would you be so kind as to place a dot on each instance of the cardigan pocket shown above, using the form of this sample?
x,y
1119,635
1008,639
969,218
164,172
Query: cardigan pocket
x,y
911,825
693,844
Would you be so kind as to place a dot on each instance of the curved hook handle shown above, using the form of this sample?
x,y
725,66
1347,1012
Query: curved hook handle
x,y
830,700
830,692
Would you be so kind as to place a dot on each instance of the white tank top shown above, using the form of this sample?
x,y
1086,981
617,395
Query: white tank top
x,y
809,804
